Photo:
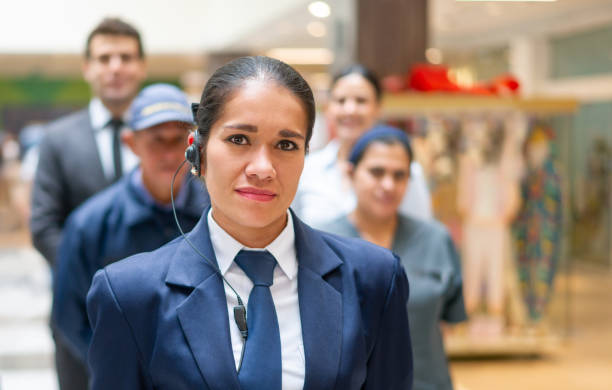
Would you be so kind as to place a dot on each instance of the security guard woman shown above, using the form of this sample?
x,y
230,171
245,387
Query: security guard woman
x,y
322,312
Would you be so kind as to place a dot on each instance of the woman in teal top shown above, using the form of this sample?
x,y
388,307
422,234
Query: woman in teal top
x,y
380,173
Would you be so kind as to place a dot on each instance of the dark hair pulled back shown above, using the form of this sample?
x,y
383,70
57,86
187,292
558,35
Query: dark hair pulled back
x,y
364,72
232,76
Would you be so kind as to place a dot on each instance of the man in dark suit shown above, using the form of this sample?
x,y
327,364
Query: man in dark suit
x,y
81,153
133,215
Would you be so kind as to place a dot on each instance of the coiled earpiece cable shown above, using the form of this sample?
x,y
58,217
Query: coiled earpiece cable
x,y
239,310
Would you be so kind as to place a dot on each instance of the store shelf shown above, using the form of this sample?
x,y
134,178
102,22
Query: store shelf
x,y
503,346
400,105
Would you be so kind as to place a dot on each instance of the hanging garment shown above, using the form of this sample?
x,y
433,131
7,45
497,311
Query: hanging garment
x,y
538,231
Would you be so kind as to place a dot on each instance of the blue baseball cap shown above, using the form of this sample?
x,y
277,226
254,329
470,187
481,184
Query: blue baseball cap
x,y
159,103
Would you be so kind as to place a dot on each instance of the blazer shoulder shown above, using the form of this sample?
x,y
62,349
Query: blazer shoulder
x,y
138,278
371,264
357,250
70,124
69,120
93,210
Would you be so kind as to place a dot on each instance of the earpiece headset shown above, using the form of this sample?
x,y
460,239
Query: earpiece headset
x,y
193,156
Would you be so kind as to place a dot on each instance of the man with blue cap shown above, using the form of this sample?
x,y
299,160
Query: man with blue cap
x,y
134,215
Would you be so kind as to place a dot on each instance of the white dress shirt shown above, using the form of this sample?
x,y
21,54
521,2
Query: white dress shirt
x,y
100,116
325,193
284,294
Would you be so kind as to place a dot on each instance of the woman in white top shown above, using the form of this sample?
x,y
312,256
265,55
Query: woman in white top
x,y
324,191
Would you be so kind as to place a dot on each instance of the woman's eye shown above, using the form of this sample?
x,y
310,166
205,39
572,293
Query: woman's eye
x,y
238,139
287,145
400,175
377,172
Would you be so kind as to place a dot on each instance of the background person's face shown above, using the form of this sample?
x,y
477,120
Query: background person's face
x,y
114,70
380,179
353,107
254,158
161,149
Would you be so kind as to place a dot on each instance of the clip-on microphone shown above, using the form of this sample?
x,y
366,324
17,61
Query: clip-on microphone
x,y
192,155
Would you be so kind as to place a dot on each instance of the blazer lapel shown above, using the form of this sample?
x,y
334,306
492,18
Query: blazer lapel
x,y
203,315
320,308
91,162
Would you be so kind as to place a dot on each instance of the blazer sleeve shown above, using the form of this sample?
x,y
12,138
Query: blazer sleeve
x,y
115,361
390,363
72,277
48,208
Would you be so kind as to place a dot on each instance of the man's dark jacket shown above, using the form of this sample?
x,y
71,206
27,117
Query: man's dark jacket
x,y
69,172
114,224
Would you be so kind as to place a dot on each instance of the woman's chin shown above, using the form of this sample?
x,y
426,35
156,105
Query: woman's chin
x,y
350,135
384,213
258,219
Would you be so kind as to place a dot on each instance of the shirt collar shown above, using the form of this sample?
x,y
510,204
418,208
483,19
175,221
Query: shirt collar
x,y
180,198
282,248
100,115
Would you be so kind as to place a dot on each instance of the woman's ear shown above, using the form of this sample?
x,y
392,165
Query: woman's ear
x,y
349,170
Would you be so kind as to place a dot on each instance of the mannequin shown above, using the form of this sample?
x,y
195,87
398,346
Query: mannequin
x,y
538,228
488,199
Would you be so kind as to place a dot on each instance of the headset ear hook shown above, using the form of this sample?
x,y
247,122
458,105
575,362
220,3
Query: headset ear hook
x,y
192,153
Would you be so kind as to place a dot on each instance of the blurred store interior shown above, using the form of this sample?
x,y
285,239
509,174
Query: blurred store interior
x,y
461,77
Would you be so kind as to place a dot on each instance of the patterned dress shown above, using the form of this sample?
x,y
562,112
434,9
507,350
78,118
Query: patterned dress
x,y
538,232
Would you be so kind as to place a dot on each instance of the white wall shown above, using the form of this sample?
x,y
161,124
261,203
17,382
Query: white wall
x,y
167,26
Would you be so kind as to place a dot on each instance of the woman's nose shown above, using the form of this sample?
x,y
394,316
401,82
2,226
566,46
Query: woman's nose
x,y
388,183
260,165
350,106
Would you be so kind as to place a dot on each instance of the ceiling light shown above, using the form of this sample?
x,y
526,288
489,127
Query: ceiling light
x,y
316,29
319,9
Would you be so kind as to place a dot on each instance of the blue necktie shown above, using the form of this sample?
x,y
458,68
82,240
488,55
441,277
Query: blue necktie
x,y
261,364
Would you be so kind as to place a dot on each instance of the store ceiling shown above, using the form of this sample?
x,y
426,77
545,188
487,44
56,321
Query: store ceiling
x,y
197,26
453,23
456,24
177,26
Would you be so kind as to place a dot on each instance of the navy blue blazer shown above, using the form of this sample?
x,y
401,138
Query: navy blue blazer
x,y
160,318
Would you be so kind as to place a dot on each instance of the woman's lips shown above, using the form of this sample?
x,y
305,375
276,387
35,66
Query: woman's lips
x,y
256,194
350,122
386,199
